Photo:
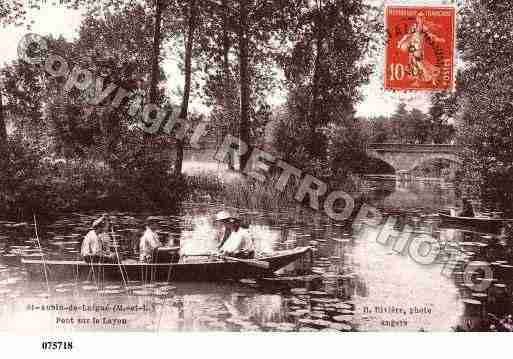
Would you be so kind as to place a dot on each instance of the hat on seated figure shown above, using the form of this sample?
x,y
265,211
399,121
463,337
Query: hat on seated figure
x,y
225,216
97,223
151,221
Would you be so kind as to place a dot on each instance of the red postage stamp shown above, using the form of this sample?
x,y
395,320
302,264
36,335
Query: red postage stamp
x,y
419,52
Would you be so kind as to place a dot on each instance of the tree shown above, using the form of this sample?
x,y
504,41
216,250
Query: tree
x,y
323,72
3,124
236,56
443,107
116,46
402,126
11,12
485,125
23,93
399,121
190,31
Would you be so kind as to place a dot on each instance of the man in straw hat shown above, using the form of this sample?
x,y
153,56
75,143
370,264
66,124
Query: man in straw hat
x,y
92,245
235,240
149,241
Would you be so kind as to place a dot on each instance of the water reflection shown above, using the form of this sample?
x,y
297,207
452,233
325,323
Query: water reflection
x,y
426,195
401,294
347,274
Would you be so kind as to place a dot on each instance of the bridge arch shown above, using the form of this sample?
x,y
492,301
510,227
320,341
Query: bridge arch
x,y
425,159
403,158
383,159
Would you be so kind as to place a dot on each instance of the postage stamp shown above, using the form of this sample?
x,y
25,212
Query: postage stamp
x,y
419,53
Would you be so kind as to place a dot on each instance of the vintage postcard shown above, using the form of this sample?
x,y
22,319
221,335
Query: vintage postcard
x,y
234,166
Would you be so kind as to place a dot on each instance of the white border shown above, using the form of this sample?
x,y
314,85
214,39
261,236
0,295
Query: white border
x,y
251,345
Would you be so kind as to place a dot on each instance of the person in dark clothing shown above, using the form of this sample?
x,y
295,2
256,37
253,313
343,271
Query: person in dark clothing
x,y
467,210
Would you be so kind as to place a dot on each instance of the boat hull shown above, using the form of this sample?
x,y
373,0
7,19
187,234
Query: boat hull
x,y
477,224
135,271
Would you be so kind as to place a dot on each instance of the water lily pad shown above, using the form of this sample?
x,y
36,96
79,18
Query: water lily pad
x,y
247,281
13,280
62,290
286,327
167,287
318,270
299,313
308,329
110,291
160,292
343,306
89,287
341,318
318,315
134,287
299,291
324,300
340,327
109,287
62,285
306,321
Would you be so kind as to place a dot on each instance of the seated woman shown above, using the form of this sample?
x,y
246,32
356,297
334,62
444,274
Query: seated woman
x,y
92,250
149,242
236,240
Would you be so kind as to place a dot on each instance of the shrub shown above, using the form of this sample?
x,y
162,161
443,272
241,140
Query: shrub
x,y
20,177
31,183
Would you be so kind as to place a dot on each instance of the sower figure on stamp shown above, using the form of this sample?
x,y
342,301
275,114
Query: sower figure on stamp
x,y
414,43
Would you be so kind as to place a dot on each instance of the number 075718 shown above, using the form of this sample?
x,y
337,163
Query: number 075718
x,y
57,345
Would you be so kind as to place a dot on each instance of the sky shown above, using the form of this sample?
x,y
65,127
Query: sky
x,y
57,20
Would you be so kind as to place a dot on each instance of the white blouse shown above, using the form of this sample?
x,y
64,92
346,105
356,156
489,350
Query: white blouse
x,y
238,241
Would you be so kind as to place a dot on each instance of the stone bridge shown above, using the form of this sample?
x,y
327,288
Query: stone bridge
x,y
403,158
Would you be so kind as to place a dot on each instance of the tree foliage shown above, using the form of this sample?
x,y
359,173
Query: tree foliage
x,y
323,73
486,98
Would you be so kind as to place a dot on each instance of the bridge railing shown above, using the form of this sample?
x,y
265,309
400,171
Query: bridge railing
x,y
411,147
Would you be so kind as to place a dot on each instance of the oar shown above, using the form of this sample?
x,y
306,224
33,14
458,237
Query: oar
x,y
251,262
42,254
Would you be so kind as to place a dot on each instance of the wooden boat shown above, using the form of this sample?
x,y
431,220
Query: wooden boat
x,y
478,224
207,270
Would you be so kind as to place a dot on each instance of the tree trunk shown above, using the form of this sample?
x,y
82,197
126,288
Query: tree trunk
x,y
315,84
244,126
226,51
187,86
315,106
227,93
3,124
156,53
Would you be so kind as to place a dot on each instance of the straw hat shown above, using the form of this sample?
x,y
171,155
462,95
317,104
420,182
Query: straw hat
x,y
223,216
226,216
151,221
97,223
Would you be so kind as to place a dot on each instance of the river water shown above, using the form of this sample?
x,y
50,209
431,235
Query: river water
x,y
355,283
